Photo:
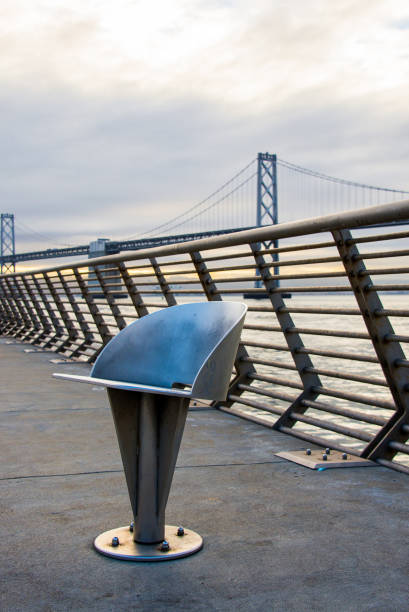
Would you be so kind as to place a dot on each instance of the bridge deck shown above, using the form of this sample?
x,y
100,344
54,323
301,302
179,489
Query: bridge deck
x,y
278,536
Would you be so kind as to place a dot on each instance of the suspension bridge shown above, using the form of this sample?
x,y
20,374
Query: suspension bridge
x,y
266,191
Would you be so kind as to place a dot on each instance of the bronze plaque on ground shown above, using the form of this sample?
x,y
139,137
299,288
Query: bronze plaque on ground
x,y
314,459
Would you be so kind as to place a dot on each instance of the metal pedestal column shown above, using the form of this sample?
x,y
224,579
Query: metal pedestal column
x,y
149,429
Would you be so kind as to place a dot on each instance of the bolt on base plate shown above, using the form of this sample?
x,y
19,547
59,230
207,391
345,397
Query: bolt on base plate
x,y
315,461
127,549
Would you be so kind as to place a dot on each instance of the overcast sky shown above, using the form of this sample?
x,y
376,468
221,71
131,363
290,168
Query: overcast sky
x,y
116,116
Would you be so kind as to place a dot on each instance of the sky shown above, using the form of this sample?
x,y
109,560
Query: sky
x,y
117,116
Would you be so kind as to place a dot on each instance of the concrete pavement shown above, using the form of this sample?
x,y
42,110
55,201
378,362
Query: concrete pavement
x,y
277,536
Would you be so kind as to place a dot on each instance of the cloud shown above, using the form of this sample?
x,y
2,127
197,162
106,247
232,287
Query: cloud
x,y
80,168
229,53
400,24
116,118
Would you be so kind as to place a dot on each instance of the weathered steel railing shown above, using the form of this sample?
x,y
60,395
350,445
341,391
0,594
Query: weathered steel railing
x,y
327,365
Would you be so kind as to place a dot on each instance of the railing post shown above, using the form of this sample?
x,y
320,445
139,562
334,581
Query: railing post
x,y
10,322
133,292
168,295
88,336
18,315
58,329
294,343
93,309
120,321
46,328
3,316
65,318
389,352
243,368
22,307
33,322
3,311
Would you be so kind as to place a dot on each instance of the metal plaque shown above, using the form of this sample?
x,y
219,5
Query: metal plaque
x,y
334,459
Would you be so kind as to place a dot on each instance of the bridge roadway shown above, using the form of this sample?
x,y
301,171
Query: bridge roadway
x,y
277,536
113,246
117,246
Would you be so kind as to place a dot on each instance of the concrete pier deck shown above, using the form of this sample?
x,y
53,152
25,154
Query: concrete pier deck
x,y
277,536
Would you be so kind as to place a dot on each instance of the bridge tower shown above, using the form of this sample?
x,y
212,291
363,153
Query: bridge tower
x,y
267,205
7,243
267,200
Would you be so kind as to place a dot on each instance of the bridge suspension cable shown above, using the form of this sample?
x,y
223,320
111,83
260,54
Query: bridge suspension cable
x,y
187,215
306,193
28,230
334,179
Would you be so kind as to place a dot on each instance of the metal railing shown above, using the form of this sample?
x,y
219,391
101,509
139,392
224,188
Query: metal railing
x,y
322,355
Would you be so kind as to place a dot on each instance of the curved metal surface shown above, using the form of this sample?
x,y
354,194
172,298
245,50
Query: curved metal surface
x,y
189,345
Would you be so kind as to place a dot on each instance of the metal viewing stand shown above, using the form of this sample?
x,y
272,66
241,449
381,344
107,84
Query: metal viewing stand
x,y
151,370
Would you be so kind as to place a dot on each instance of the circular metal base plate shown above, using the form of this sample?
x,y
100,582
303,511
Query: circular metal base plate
x,y
127,549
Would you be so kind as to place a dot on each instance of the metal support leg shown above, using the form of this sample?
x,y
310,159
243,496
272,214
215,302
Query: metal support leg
x,y
149,429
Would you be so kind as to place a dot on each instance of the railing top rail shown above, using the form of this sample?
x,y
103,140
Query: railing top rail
x,y
371,215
